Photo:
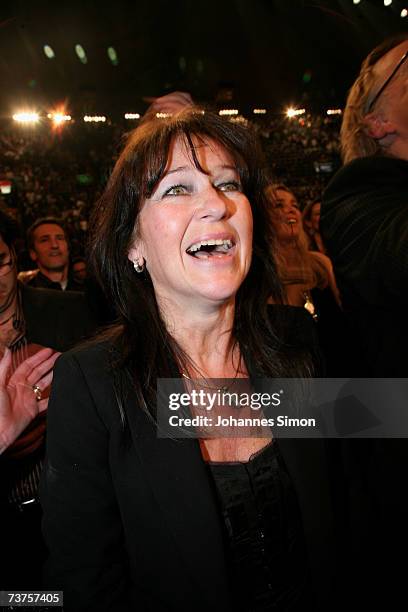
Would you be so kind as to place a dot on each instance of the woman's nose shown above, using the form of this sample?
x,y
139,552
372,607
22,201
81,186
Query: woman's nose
x,y
213,205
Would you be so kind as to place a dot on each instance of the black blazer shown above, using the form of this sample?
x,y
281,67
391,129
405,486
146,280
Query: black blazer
x,y
131,521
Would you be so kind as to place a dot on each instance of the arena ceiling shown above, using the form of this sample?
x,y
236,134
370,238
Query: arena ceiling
x,y
262,53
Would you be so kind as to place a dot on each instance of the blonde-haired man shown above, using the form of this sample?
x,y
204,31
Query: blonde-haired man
x,y
364,224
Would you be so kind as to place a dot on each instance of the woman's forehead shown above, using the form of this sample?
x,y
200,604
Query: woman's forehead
x,y
207,151
282,194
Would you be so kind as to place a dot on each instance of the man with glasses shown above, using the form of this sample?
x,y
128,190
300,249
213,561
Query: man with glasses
x,y
364,225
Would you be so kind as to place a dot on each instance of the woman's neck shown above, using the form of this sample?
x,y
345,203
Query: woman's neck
x,y
205,336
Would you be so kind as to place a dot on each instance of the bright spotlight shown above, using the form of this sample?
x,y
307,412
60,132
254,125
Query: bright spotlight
x,y
132,116
259,111
59,118
356,1
49,51
26,117
294,112
387,2
404,12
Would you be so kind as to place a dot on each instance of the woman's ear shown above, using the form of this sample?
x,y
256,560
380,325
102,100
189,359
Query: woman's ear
x,y
378,127
135,254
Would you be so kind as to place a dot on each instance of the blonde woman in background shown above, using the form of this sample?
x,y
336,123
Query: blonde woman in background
x,y
300,269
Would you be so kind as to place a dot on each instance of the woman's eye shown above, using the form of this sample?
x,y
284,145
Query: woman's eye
x,y
176,190
229,186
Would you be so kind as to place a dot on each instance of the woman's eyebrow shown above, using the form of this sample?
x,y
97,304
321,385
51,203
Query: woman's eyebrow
x,y
178,169
189,168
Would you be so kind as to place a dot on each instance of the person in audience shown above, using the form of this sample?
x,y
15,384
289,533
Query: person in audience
x,y
48,247
137,521
21,391
30,319
364,224
308,278
301,270
79,272
364,217
311,224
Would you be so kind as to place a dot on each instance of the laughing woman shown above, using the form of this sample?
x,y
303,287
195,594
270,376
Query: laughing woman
x,y
134,521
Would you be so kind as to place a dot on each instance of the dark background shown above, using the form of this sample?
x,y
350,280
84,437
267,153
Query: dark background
x,y
241,53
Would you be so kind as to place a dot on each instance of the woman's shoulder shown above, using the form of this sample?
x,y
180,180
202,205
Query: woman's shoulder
x,y
84,383
321,258
93,358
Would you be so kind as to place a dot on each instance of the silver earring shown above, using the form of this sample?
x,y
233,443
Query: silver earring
x,y
138,267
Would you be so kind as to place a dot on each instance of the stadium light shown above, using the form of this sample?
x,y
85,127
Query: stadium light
x,y
80,51
163,115
113,56
132,116
294,112
26,117
49,51
356,1
334,111
259,111
228,112
59,118
387,2
404,13
94,118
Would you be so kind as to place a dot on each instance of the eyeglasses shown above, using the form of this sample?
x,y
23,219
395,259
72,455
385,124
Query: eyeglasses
x,y
6,267
384,85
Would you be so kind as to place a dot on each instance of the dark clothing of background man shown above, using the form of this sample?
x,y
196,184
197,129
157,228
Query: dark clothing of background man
x,y
364,222
40,281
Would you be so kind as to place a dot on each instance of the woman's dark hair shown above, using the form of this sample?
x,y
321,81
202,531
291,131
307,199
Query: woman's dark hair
x,y
9,229
145,346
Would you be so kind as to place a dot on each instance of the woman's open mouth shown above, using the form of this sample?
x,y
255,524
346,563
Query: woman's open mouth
x,y
206,249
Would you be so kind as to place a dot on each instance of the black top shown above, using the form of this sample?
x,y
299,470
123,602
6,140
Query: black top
x,y
40,281
264,534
